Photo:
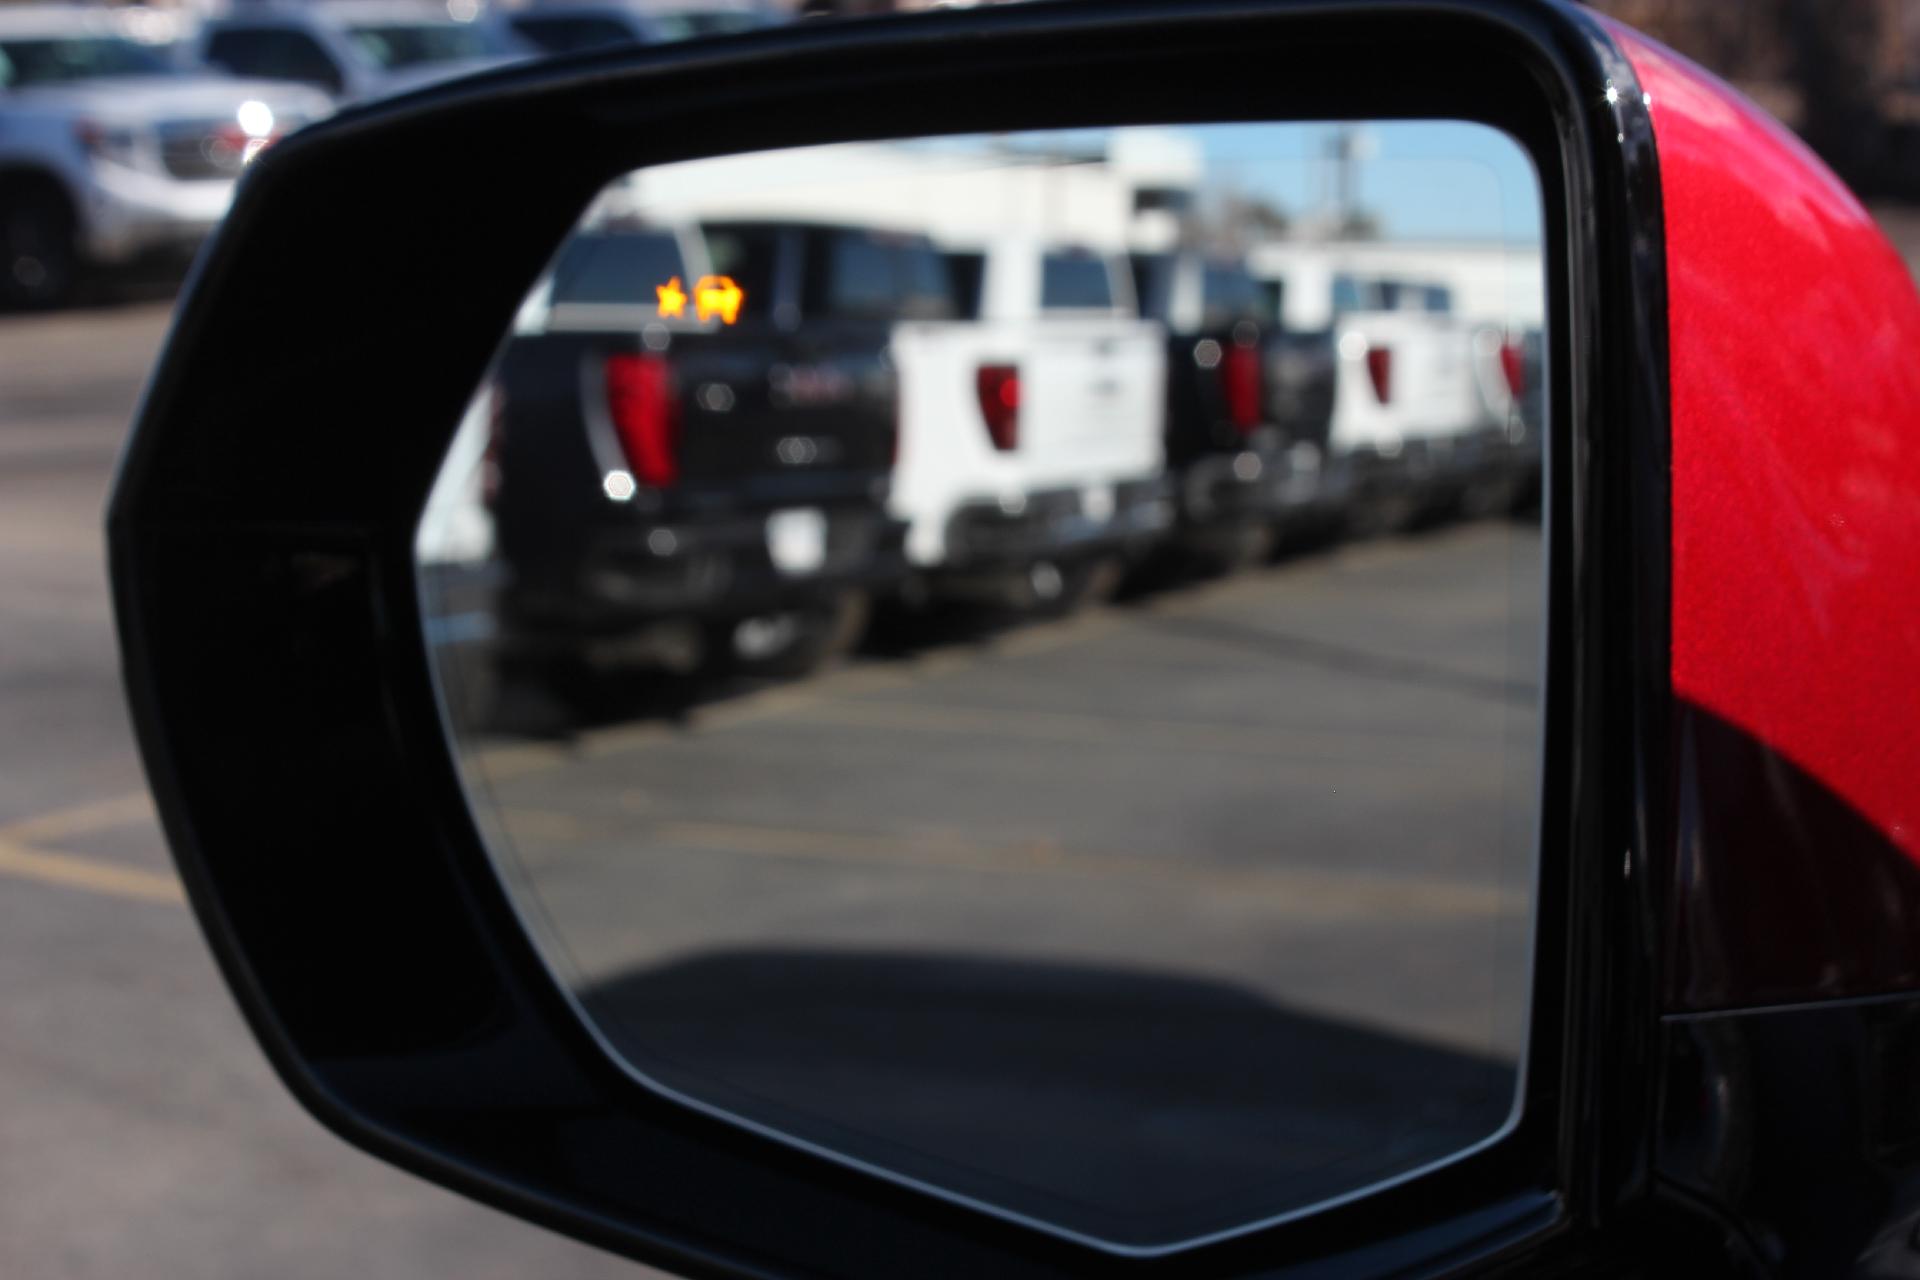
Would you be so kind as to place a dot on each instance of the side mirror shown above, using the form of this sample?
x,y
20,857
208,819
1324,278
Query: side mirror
x,y
522,443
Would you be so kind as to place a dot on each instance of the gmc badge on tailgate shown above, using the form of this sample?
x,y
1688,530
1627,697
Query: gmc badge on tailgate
x,y
800,386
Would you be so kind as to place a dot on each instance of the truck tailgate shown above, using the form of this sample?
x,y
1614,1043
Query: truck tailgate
x,y
1093,400
769,413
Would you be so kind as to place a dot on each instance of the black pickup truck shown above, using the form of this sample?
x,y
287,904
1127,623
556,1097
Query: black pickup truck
x,y
695,433
1248,405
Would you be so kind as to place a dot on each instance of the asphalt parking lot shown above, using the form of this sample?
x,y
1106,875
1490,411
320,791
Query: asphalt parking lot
x,y
1299,779
1218,890
141,1133
1109,790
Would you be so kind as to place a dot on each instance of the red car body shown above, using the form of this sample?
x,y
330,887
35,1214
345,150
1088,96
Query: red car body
x,y
1794,364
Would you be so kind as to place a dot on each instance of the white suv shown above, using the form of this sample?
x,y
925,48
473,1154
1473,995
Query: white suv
x,y
356,50
108,152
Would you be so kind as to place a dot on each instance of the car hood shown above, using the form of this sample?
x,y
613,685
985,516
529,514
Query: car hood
x,y
137,100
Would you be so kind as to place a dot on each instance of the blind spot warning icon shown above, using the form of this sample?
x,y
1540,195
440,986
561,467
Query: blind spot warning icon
x,y
673,303
718,296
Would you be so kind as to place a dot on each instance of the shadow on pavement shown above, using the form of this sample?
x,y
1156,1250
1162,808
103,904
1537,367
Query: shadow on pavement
x,y
1102,1099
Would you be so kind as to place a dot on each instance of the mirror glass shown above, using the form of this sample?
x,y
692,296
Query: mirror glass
x,y
1015,662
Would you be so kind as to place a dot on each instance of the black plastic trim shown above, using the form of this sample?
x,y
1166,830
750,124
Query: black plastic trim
x,y
261,545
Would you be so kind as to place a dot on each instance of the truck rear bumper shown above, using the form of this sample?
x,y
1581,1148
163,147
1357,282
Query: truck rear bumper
x,y
129,215
1439,475
1060,524
1257,486
694,571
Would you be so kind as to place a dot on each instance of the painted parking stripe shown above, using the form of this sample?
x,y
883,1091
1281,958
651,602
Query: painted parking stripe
x,y
80,819
89,875
21,858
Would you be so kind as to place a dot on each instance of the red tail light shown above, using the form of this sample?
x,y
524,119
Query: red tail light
x,y
1240,381
1513,365
999,386
1380,369
646,414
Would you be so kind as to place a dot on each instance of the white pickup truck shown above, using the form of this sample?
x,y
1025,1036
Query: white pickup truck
x,y
1030,454
1427,409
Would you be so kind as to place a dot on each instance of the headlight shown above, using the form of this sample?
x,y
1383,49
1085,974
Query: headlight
x,y
117,144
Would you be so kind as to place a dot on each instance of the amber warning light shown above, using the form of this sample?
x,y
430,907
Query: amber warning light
x,y
712,296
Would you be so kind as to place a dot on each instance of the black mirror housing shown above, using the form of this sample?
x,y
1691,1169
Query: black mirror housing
x,y
261,539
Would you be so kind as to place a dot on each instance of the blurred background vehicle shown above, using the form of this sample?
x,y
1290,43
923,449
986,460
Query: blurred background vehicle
x,y
1030,435
1040,358
356,49
568,26
109,154
1238,473
1430,342
1422,400
677,487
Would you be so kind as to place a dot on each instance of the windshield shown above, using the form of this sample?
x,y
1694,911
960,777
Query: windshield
x,y
24,63
396,45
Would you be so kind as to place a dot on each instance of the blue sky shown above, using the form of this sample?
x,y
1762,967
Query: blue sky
x,y
1425,179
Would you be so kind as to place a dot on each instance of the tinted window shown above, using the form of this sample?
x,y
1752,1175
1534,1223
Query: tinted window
x,y
859,277
926,290
623,267
1229,295
1274,294
570,35
1153,284
1348,294
1075,281
749,256
876,276
274,53
964,273
1437,299
413,44
30,62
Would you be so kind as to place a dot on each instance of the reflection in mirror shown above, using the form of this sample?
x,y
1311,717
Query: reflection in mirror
x,y
1015,662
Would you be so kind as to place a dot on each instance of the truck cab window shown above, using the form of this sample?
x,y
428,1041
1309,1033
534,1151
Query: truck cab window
x,y
1075,282
616,267
926,289
1229,295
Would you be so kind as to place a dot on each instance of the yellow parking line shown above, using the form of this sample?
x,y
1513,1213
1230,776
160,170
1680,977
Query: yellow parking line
x,y
93,815
90,875
21,859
